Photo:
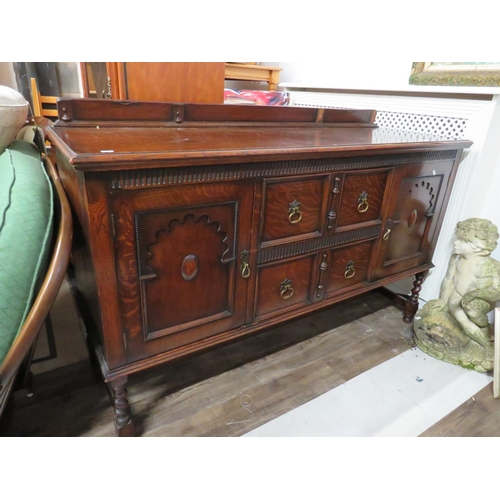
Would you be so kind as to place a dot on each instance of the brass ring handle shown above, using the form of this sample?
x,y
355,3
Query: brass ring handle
x,y
292,214
349,270
386,235
286,290
245,270
363,207
363,204
294,211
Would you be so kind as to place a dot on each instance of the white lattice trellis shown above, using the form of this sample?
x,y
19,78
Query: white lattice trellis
x,y
443,126
449,127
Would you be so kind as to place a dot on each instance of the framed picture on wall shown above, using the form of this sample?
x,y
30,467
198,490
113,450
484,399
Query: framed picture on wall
x,y
467,74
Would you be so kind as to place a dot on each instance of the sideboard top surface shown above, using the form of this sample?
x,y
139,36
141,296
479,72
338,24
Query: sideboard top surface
x,y
101,136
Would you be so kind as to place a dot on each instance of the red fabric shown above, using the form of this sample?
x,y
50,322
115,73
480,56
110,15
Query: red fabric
x,y
260,97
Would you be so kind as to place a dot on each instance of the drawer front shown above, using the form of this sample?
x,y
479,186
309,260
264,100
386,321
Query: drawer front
x,y
348,266
293,208
362,196
283,286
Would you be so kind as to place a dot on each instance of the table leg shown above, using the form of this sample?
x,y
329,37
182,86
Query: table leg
x,y
411,305
123,416
273,80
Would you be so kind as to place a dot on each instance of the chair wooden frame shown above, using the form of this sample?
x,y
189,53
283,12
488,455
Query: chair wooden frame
x,y
21,350
40,101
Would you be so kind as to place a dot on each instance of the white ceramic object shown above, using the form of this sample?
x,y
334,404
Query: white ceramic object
x,y
13,114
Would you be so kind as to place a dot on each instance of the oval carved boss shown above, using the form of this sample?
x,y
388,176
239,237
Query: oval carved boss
x,y
189,267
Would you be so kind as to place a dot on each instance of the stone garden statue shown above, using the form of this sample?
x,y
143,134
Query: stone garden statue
x,y
455,327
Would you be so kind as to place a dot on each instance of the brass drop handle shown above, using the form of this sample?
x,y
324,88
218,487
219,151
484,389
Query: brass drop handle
x,y
349,270
286,290
245,267
363,204
245,270
106,94
387,234
294,213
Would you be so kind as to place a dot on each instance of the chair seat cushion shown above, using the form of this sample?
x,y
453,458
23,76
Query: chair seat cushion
x,y
26,213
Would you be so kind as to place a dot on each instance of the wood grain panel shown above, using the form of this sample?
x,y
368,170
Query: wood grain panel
x,y
102,262
195,82
306,194
361,191
415,208
169,298
271,278
349,261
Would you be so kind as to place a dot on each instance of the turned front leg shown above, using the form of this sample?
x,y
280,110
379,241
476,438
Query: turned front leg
x,y
123,415
411,305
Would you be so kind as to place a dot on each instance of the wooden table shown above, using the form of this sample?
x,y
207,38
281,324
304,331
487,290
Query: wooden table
x,y
254,73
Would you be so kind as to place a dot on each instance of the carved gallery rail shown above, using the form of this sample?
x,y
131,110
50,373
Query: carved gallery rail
x,y
201,224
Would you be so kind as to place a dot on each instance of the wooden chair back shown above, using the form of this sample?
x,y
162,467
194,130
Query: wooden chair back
x,y
43,105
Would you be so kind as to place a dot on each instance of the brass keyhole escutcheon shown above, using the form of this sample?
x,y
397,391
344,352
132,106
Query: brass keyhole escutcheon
x,y
363,204
349,270
286,290
294,213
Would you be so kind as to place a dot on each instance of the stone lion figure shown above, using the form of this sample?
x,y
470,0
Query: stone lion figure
x,y
455,327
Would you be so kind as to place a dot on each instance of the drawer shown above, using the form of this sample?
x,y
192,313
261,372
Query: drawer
x,y
348,266
362,196
293,208
284,285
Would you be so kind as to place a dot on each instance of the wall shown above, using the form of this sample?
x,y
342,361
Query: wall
x,y
7,76
350,75
347,75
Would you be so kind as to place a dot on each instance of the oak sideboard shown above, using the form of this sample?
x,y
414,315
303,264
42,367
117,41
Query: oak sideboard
x,y
199,224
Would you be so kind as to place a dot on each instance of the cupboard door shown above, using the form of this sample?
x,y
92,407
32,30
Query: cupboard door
x,y
179,253
410,231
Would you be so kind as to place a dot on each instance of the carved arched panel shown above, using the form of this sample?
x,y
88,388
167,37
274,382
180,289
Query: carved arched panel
x,y
190,279
413,216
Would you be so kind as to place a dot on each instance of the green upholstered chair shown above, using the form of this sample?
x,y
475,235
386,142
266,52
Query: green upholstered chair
x,y
35,245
